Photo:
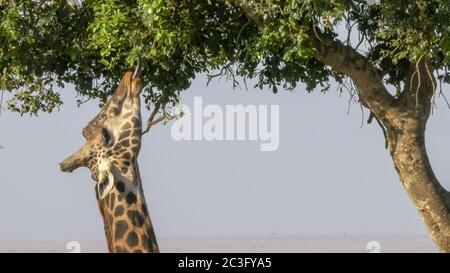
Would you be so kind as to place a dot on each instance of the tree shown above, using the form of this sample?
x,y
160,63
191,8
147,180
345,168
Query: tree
x,y
397,67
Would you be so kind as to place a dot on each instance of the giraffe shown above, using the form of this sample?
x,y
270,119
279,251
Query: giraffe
x,y
113,140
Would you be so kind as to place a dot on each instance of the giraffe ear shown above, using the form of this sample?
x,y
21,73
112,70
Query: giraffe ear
x,y
105,184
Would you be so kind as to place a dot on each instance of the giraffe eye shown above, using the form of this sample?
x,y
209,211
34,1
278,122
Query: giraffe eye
x,y
106,137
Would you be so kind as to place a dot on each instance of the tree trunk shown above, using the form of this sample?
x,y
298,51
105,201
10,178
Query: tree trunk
x,y
407,146
403,118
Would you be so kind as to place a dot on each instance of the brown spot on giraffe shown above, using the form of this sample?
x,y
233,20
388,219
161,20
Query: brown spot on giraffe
x,y
125,134
126,126
125,143
113,140
126,155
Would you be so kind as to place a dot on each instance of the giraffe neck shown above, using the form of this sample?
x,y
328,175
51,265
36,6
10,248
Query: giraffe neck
x,y
128,227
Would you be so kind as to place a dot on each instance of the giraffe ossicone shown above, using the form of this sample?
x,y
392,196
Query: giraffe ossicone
x,y
113,141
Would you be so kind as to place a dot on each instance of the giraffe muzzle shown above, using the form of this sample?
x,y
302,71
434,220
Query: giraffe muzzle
x,y
78,159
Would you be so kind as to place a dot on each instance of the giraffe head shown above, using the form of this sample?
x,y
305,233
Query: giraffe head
x,y
113,138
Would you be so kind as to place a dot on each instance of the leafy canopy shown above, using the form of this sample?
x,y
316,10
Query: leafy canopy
x,y
46,44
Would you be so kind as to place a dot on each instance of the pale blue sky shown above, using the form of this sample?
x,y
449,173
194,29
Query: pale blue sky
x,y
328,177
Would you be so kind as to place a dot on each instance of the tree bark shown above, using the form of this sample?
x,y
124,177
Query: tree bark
x,y
407,147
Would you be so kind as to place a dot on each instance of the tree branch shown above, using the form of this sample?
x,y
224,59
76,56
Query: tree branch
x,y
345,60
420,85
250,12
151,121
369,121
164,116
